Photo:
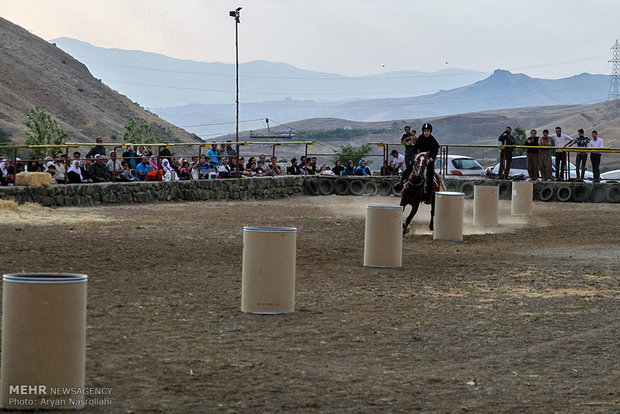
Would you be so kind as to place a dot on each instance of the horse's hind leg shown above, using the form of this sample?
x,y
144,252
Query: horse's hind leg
x,y
432,211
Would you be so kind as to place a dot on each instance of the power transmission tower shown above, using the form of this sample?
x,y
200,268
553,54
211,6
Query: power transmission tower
x,y
614,77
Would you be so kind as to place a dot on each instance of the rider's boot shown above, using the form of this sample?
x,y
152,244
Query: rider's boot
x,y
428,194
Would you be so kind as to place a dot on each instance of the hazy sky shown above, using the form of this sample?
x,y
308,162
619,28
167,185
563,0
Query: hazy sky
x,y
542,38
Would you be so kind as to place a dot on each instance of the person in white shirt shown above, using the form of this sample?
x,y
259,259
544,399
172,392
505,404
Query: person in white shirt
x,y
561,140
399,161
595,157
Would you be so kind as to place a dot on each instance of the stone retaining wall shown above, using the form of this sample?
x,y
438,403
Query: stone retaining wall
x,y
154,191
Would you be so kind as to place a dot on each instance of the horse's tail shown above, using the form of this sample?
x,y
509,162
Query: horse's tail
x,y
442,186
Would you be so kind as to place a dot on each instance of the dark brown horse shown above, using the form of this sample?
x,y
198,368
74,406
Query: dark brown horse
x,y
413,190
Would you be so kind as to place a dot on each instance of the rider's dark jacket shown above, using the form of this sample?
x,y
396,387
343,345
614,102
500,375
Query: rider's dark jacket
x,y
424,144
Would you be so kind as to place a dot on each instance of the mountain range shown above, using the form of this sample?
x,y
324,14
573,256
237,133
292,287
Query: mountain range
x,y
34,72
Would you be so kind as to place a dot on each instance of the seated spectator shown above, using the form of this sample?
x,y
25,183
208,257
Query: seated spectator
x,y
350,168
114,165
98,149
338,168
251,168
293,169
175,163
98,171
388,169
74,173
84,167
143,169
13,169
362,169
34,166
154,163
260,169
274,169
398,161
223,170
184,170
251,161
204,168
51,169
302,165
126,175
168,174
59,161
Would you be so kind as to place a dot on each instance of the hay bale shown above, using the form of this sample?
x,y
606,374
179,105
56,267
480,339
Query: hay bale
x,y
33,178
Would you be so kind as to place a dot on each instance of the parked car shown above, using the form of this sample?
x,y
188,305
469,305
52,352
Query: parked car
x,y
518,168
611,175
460,165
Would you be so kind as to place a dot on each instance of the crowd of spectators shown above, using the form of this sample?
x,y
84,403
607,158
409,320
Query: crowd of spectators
x,y
138,163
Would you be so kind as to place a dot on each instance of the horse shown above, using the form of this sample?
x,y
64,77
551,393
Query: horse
x,y
413,190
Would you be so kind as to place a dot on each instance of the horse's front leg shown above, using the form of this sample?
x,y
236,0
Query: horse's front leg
x,y
414,209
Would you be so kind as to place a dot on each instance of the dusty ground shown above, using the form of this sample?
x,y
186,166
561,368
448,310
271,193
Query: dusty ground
x,y
524,319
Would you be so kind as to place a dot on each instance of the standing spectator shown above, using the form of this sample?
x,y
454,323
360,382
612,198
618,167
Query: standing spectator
x,y
274,169
338,168
350,168
143,169
561,140
408,139
292,169
544,156
129,155
582,157
532,155
399,161
505,155
362,169
388,169
98,149
213,156
229,152
164,152
595,157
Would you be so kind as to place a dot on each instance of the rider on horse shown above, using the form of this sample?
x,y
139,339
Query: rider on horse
x,y
425,143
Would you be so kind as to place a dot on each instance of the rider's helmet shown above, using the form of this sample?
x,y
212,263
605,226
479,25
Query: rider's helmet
x,y
427,126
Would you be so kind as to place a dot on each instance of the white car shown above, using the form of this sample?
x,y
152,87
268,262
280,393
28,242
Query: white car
x,y
518,168
611,175
460,165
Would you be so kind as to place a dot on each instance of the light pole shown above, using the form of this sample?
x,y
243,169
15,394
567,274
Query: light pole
x,y
235,13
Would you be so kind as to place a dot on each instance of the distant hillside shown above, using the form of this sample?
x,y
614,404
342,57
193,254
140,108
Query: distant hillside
x,y
481,128
34,72
158,81
499,91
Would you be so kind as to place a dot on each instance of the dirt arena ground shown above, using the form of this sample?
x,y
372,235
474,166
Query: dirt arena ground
x,y
523,319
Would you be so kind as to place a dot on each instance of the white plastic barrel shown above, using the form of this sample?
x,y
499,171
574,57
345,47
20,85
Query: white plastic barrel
x,y
43,340
522,196
486,205
268,274
448,216
383,239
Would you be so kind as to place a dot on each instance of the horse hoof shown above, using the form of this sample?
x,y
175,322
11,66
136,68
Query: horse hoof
x,y
430,228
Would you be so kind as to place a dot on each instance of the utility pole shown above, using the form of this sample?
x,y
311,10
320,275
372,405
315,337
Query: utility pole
x,y
614,77
236,13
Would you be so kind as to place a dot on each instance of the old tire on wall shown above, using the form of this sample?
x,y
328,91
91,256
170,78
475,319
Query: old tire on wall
x,y
599,195
384,188
311,187
452,185
546,193
613,194
581,193
564,193
356,187
326,186
467,188
370,188
341,186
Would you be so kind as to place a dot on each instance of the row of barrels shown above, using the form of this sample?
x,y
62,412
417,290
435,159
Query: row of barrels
x,y
566,192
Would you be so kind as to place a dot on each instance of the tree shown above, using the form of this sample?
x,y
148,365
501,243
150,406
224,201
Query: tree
x,y
353,153
43,130
519,134
137,129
